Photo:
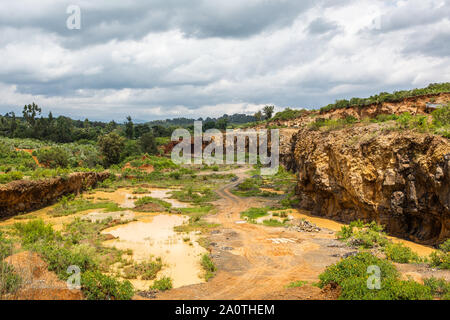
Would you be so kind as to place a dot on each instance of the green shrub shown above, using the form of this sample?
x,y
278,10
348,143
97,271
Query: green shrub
x,y
5,247
11,176
68,205
97,286
441,116
351,274
356,266
398,252
10,281
440,259
60,258
162,284
273,223
445,247
146,200
209,266
345,232
439,287
288,114
254,213
392,289
36,230
147,270
53,157
365,235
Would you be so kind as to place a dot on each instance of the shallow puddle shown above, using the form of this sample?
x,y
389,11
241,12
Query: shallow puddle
x,y
156,238
336,226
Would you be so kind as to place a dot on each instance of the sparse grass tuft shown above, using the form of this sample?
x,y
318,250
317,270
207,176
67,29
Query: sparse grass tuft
x,y
209,267
162,284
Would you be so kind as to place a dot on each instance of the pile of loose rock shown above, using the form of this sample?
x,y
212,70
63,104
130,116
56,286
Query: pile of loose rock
x,y
304,226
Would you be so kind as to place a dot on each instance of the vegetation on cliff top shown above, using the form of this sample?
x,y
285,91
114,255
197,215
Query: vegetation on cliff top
x,y
434,88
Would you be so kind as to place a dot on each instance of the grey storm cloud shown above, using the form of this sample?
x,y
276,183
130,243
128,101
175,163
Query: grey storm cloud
x,y
106,20
168,58
321,26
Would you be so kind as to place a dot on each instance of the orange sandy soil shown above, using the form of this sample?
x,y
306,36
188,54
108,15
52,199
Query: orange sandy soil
x,y
37,282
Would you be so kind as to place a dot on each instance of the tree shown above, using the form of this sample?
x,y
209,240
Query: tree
x,y
53,157
148,144
30,112
129,128
222,123
268,111
111,126
111,146
63,130
258,116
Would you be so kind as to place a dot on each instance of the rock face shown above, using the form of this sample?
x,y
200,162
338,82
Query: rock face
x,y
400,179
26,195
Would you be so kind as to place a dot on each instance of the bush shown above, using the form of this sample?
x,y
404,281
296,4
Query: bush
x,y
148,143
53,157
97,286
11,176
397,252
440,259
438,287
352,276
392,289
36,230
445,247
146,200
147,270
5,247
59,258
254,213
345,232
356,267
111,146
162,284
10,281
441,116
209,266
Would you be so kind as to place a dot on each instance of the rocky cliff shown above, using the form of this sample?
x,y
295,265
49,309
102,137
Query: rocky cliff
x,y
26,195
400,179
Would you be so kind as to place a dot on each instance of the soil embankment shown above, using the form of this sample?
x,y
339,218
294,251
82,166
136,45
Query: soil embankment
x,y
26,195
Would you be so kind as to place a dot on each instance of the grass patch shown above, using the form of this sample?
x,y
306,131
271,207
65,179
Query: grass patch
x,y
208,266
145,270
97,286
274,223
398,252
162,284
297,284
254,213
439,287
363,235
68,205
10,281
143,203
441,258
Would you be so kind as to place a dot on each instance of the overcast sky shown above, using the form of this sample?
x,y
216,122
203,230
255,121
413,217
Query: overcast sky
x,y
195,58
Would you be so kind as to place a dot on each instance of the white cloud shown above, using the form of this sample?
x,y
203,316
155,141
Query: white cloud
x,y
321,53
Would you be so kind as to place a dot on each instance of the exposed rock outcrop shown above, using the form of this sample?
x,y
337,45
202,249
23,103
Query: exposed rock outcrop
x,y
400,179
26,195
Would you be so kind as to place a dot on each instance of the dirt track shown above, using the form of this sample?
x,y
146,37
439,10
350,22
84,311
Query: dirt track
x,y
252,266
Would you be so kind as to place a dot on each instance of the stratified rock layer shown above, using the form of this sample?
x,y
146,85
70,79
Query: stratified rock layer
x,y
26,195
400,179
